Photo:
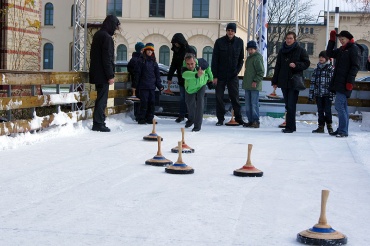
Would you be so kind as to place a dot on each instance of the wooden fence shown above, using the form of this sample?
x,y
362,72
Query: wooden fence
x,y
11,80
32,98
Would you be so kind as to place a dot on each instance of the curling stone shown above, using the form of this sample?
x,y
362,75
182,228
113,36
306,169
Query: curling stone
x,y
322,233
232,122
179,167
153,135
185,147
133,98
273,95
158,159
248,170
168,91
283,125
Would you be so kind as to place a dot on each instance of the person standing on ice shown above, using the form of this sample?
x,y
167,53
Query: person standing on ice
x,y
291,60
102,69
347,64
227,61
179,47
196,75
319,90
252,84
147,79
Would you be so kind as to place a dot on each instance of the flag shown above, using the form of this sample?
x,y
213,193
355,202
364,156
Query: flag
x,y
261,30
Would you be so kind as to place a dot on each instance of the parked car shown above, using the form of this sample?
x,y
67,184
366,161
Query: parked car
x,y
364,79
121,66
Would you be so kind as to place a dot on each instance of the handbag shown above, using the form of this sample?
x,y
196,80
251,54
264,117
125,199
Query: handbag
x,y
298,83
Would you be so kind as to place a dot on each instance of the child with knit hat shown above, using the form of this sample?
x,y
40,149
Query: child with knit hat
x,y
147,78
319,90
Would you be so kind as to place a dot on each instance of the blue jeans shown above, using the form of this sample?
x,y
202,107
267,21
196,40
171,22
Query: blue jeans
x,y
342,109
252,105
182,103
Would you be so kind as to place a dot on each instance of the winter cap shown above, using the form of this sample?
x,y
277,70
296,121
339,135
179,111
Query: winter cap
x,y
231,26
149,46
252,44
139,46
323,54
346,34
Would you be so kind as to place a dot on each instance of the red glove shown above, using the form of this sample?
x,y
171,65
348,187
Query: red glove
x,y
333,35
349,86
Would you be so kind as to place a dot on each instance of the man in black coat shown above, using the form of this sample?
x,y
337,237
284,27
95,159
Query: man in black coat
x,y
179,47
102,69
227,61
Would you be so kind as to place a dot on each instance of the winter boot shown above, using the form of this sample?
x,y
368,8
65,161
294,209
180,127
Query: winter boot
x,y
330,128
320,129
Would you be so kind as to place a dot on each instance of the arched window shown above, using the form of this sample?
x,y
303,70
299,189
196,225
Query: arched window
x,y
195,49
48,56
49,14
164,55
207,54
121,52
364,57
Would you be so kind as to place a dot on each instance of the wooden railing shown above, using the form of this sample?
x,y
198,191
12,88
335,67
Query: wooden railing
x,y
34,99
17,79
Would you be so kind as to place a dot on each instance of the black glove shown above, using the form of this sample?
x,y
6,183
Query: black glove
x,y
210,85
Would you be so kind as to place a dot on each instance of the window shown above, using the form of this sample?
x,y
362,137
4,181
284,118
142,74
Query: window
x,y
306,30
195,49
274,29
121,52
49,14
270,48
48,56
207,54
157,8
363,57
311,30
114,7
303,45
72,14
200,8
279,29
164,55
310,49
269,29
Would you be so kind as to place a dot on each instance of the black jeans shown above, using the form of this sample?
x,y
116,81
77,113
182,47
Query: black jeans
x,y
147,105
100,103
324,110
233,90
290,99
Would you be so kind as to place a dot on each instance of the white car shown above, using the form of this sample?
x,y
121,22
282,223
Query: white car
x,y
364,79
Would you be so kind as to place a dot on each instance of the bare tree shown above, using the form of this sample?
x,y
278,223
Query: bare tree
x,y
282,19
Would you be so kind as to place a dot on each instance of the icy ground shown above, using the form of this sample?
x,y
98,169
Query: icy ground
x,y
68,185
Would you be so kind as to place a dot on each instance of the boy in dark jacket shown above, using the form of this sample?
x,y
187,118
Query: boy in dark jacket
x,y
147,79
102,69
319,89
139,46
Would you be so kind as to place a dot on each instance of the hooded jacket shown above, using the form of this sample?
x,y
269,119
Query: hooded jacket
x,y
193,83
347,64
102,52
178,56
289,54
147,74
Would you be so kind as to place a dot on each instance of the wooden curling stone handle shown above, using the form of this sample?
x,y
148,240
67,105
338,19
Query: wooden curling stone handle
x,y
159,152
249,163
324,199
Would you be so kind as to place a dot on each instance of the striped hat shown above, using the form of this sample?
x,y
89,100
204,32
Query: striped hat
x,y
149,46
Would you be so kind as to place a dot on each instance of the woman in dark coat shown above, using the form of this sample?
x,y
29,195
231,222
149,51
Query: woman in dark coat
x,y
292,59
347,64
102,69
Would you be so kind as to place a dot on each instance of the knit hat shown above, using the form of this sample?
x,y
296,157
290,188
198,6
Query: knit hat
x,y
149,46
231,26
346,34
323,54
252,44
139,46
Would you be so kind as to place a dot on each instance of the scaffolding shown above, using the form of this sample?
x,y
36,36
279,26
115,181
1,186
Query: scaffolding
x,y
79,45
